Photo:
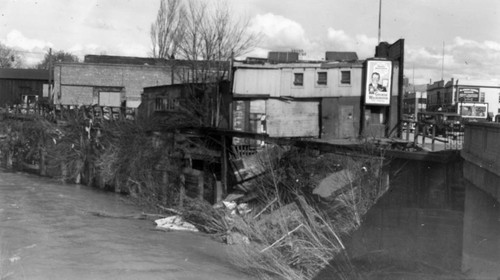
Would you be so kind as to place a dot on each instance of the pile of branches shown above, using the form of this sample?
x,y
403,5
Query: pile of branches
x,y
291,233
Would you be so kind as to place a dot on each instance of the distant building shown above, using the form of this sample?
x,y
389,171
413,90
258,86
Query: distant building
x,y
118,81
23,86
451,95
415,99
104,84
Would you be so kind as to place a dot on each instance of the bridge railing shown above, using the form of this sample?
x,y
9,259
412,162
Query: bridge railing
x,y
426,135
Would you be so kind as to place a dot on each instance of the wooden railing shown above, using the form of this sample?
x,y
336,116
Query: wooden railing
x,y
420,132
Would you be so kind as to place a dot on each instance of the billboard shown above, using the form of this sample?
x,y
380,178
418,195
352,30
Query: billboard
x,y
378,82
468,94
473,110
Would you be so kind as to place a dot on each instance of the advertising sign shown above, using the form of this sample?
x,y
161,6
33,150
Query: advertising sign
x,y
378,82
473,110
468,94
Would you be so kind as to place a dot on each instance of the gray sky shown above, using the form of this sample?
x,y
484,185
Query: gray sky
x,y
470,30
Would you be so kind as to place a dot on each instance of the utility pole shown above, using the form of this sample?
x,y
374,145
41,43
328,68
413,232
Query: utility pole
x,y
442,65
379,19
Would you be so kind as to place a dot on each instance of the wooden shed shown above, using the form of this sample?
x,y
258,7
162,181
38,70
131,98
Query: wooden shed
x,y
19,86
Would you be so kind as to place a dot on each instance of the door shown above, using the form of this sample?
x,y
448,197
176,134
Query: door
x,y
346,124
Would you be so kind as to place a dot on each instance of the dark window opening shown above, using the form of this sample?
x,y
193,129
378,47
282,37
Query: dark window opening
x,y
298,79
345,77
322,77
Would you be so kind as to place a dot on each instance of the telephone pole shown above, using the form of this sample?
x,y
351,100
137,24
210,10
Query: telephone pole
x,y
379,19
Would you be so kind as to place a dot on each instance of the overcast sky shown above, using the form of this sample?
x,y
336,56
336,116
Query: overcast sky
x,y
469,29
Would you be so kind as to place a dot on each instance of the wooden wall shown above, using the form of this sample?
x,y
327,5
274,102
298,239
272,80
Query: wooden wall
x,y
11,90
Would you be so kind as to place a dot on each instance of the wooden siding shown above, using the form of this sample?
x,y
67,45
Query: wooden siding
x,y
11,90
311,89
335,120
292,119
279,82
257,82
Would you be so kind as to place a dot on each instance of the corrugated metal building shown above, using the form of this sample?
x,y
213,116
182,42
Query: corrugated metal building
x,y
22,85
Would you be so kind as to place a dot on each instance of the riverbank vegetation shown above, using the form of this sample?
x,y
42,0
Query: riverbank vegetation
x,y
279,228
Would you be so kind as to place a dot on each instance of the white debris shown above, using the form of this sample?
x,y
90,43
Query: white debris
x,y
175,223
14,259
230,204
244,209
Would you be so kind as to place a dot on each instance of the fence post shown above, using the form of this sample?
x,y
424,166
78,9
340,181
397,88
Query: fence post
x,y
424,132
433,136
408,126
415,135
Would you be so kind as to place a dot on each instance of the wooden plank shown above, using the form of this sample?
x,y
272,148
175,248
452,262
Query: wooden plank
x,y
292,118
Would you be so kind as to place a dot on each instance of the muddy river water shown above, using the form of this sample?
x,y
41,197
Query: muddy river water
x,y
47,232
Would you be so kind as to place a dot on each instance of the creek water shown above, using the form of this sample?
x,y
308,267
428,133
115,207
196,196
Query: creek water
x,y
430,224
47,231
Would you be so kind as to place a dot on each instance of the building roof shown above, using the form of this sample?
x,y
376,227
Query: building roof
x,y
301,64
113,59
24,74
341,56
149,61
343,64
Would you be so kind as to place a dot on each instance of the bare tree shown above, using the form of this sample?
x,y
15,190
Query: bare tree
x,y
213,33
167,31
211,36
10,58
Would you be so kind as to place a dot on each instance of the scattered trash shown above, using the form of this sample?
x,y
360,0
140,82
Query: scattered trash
x,y
175,223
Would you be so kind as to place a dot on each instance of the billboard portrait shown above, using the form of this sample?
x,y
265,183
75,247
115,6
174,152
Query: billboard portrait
x,y
378,82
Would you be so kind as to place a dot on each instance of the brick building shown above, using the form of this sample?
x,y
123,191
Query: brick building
x,y
108,81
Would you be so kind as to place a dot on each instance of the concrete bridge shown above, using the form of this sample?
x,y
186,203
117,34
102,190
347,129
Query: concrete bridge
x,y
481,171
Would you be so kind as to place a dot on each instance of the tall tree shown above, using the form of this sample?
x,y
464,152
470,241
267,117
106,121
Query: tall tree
x,y
10,58
168,29
57,56
210,36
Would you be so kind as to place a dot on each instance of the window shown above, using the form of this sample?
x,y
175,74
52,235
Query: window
x,y
298,79
322,78
345,77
